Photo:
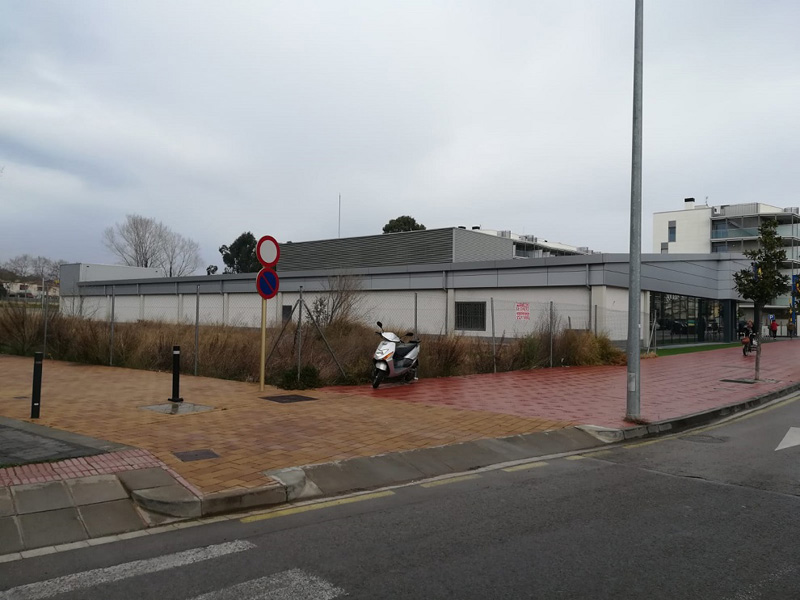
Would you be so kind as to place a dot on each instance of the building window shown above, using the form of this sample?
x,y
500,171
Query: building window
x,y
671,230
286,312
664,248
471,316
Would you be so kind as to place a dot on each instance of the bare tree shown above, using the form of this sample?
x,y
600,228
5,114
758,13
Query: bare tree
x,y
26,266
21,266
144,242
179,255
341,301
137,241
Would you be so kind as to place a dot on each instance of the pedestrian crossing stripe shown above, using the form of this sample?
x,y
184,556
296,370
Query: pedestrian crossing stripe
x,y
288,585
89,579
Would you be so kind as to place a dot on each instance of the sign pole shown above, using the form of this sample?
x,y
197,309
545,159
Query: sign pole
x,y
267,282
263,343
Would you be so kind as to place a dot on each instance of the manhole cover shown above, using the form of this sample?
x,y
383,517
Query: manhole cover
x,y
192,455
706,439
177,408
288,398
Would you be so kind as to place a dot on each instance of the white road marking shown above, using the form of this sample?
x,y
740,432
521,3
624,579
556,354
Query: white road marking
x,y
792,438
88,579
288,585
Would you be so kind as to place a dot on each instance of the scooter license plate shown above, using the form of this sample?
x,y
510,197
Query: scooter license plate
x,y
754,343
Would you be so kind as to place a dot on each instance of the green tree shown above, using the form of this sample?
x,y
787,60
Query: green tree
x,y
404,223
763,282
240,256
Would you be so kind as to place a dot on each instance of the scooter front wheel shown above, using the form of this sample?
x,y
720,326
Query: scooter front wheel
x,y
377,377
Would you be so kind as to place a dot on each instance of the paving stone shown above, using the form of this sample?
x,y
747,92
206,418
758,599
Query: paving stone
x,y
213,504
10,539
426,462
51,528
110,518
39,497
22,447
466,456
6,503
174,500
95,489
142,479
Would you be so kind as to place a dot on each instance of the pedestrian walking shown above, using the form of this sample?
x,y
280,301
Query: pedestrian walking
x,y
773,329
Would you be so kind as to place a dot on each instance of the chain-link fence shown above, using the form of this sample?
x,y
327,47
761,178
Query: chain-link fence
x,y
427,312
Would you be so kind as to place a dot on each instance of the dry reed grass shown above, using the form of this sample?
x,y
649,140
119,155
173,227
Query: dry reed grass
x,y
228,352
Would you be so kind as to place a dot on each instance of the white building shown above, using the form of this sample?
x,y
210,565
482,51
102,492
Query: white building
x,y
435,281
728,228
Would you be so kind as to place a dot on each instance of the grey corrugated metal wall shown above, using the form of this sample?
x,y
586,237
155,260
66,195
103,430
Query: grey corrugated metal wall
x,y
386,250
472,246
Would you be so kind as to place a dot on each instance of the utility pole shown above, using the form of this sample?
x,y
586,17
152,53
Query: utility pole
x,y
635,264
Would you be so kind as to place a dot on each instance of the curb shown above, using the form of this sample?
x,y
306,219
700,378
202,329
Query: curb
x,y
396,468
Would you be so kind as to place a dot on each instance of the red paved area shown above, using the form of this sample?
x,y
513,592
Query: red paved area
x,y
101,464
672,386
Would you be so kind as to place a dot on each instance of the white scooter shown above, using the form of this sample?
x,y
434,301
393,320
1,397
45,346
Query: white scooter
x,y
393,358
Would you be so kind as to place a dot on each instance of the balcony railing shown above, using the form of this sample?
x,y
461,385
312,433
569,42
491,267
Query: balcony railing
x,y
745,232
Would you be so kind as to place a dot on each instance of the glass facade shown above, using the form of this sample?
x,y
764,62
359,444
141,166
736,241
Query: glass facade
x,y
686,320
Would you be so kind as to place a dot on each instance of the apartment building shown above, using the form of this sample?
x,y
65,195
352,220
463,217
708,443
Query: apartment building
x,y
729,228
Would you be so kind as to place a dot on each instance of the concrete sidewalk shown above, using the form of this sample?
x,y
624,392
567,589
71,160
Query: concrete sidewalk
x,y
231,447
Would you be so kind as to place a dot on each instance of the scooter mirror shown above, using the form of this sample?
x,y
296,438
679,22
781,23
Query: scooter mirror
x,y
411,333
380,324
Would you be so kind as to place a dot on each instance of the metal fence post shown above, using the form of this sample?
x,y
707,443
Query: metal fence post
x,y
44,343
300,333
196,329
551,333
415,316
111,342
494,346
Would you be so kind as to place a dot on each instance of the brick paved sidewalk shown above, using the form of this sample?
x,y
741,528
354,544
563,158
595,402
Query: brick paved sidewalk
x,y
249,434
252,435
672,386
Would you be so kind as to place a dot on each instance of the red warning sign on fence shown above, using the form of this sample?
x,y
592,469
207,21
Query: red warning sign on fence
x,y
523,311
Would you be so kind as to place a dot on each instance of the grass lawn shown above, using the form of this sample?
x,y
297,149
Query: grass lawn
x,y
687,349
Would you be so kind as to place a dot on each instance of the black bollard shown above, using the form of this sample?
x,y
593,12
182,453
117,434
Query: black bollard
x,y
36,396
176,374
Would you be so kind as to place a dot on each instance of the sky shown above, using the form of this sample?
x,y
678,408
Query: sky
x,y
217,118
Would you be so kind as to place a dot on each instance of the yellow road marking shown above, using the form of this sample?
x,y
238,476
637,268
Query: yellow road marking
x,y
532,465
451,480
598,453
575,457
318,506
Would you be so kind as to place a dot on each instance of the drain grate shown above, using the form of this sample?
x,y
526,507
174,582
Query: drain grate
x,y
288,398
192,455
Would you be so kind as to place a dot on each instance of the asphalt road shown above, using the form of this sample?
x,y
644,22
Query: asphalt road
x,y
711,514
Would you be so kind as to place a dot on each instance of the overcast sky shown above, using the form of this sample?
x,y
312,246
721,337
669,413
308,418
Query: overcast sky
x,y
221,117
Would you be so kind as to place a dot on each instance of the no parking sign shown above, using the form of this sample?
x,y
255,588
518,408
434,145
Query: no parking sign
x,y
268,252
